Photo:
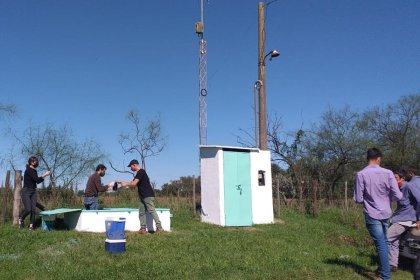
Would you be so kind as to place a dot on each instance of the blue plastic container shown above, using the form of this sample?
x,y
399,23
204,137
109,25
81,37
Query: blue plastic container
x,y
48,223
115,246
115,228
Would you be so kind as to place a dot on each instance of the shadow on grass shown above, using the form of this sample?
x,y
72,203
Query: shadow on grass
x,y
363,271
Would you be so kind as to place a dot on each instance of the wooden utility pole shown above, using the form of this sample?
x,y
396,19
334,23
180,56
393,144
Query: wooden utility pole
x,y
261,77
4,201
17,196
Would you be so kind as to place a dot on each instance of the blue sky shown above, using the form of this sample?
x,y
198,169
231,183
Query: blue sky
x,y
87,63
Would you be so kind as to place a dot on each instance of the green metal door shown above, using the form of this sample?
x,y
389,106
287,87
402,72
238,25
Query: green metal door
x,y
237,186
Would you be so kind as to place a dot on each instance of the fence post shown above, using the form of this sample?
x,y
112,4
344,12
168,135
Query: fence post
x,y
5,195
314,197
301,195
346,203
17,196
278,195
193,195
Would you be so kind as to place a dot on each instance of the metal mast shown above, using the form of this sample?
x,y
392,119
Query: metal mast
x,y
202,80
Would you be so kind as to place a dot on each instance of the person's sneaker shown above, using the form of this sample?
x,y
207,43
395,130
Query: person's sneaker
x,y
394,268
21,223
142,231
159,231
374,275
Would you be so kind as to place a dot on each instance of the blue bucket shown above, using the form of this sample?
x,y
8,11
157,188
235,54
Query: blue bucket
x,y
115,228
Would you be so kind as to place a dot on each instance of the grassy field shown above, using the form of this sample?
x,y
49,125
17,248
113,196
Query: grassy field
x,y
333,246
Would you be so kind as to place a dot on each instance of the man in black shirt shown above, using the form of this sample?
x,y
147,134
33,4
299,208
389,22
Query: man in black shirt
x,y
146,196
30,180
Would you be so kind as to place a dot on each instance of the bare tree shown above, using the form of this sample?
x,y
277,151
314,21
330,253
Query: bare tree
x,y
286,147
8,109
143,140
68,159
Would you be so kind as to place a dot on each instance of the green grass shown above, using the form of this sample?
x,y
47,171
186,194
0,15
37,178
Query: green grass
x,y
333,246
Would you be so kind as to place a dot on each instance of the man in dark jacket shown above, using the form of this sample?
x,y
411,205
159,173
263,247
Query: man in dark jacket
x,y
146,196
94,187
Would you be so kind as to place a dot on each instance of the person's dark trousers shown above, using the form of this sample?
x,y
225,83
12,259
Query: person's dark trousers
x,y
29,203
40,206
416,268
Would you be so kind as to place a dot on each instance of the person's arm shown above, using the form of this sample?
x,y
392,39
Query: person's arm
x,y
414,197
405,200
99,186
129,184
133,183
358,189
34,176
395,193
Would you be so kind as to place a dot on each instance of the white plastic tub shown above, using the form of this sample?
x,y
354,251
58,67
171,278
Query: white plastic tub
x,y
94,220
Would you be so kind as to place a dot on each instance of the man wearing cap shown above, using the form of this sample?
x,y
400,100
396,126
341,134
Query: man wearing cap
x,y
146,196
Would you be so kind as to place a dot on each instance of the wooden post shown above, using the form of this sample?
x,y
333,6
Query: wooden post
x,y
5,195
314,197
193,195
278,195
301,195
17,196
261,77
346,203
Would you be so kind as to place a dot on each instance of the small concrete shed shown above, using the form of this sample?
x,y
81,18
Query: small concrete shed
x,y
236,186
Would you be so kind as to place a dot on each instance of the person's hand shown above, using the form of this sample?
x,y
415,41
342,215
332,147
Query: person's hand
x,y
48,173
418,224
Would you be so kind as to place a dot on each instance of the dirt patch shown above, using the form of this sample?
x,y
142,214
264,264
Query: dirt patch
x,y
279,221
244,228
348,240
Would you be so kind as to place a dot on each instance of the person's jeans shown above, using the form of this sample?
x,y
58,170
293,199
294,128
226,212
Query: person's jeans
x,y
147,204
91,203
378,231
29,203
394,233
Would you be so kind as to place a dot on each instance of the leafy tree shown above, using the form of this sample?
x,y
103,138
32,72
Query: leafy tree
x,y
335,147
181,187
396,129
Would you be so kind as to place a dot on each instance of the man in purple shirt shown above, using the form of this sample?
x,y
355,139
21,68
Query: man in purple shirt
x,y
375,188
403,218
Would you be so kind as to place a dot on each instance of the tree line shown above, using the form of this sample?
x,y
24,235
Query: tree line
x,y
330,152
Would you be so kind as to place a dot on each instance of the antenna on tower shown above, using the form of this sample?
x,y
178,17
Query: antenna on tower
x,y
202,79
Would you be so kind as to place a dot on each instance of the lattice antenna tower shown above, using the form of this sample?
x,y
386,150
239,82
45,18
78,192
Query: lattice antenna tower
x,y
202,79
